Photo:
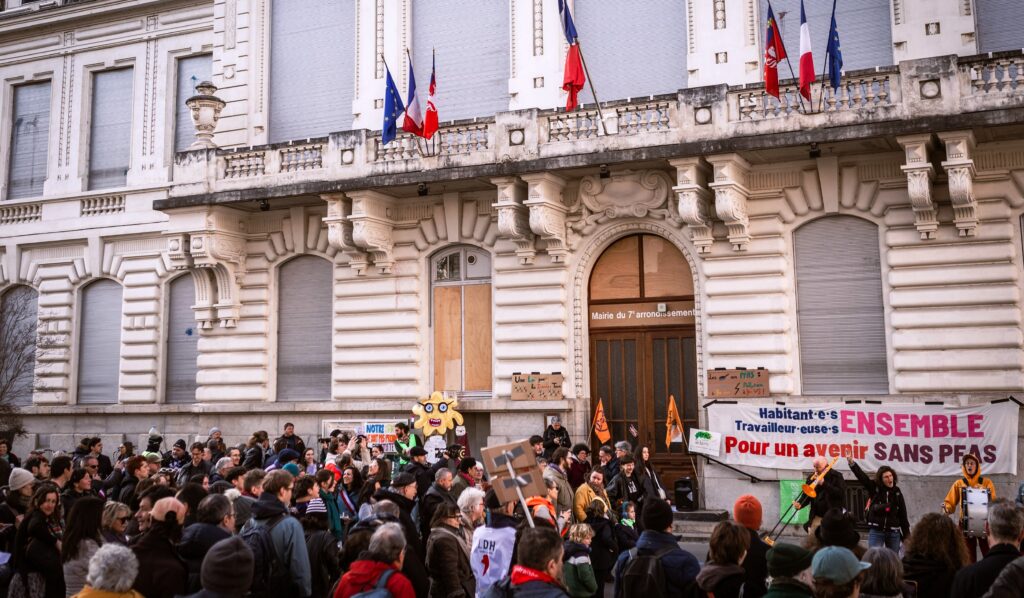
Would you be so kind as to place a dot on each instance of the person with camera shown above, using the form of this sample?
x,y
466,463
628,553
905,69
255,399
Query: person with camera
x,y
422,471
886,510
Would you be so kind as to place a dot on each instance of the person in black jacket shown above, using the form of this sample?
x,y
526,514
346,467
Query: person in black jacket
x,y
422,471
748,513
604,548
830,493
935,551
402,492
555,436
215,521
438,494
1005,527
886,511
255,450
37,545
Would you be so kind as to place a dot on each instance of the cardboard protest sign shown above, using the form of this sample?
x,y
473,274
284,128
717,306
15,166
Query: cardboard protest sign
x,y
523,463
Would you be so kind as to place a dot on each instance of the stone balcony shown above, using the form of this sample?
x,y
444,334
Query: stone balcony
x,y
919,96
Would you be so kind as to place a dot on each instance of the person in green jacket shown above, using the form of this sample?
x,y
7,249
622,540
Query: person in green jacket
x,y
577,571
789,566
404,441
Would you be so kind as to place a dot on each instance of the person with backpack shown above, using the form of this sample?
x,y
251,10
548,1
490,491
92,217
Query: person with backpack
x,y
377,573
723,576
277,542
657,567
539,568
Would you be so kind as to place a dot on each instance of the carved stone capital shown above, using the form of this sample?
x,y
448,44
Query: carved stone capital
x,y
210,242
514,217
694,200
339,231
959,167
373,228
920,173
731,193
547,213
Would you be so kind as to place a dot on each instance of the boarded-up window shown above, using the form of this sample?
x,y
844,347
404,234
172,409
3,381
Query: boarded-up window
x,y
461,315
839,307
30,131
999,25
617,273
99,345
865,31
312,67
304,322
182,342
18,330
632,50
192,71
472,43
110,134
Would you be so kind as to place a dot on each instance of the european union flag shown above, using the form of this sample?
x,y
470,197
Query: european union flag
x,y
393,108
833,54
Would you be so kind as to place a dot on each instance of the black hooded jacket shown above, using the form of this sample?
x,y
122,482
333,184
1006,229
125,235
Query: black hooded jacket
x,y
414,566
887,509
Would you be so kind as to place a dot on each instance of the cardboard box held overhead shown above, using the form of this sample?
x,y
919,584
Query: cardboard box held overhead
x,y
523,463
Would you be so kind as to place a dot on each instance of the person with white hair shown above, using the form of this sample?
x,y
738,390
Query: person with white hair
x,y
220,470
112,572
830,493
471,505
380,566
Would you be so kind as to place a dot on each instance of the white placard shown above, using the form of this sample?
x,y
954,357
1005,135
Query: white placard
x,y
705,442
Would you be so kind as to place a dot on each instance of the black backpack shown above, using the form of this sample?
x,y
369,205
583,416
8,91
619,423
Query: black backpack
x,y
643,574
270,579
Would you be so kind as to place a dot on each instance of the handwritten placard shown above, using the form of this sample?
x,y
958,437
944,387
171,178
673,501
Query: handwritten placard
x,y
737,384
537,387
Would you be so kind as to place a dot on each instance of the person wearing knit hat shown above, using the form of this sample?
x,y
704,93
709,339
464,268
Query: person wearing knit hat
x,y
322,547
20,479
790,568
747,512
227,570
680,567
291,468
21,484
215,433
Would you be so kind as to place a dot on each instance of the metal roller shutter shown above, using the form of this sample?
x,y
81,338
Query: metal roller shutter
x,y
192,71
110,138
865,31
18,330
472,40
99,345
304,316
999,25
839,307
312,68
30,133
182,342
632,51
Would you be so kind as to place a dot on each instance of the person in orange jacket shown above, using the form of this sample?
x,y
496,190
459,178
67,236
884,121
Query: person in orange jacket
x,y
972,478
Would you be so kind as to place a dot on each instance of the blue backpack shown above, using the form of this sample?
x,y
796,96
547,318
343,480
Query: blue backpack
x,y
380,589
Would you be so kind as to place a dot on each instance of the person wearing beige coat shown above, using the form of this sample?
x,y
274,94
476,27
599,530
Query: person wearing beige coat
x,y
588,493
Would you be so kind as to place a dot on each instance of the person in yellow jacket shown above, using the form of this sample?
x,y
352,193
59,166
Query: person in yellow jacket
x,y
587,493
972,478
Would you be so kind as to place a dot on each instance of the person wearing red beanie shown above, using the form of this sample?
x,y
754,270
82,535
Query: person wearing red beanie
x,y
748,513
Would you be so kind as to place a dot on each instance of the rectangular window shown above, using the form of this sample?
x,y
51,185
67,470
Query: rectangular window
x,y
192,71
110,133
30,131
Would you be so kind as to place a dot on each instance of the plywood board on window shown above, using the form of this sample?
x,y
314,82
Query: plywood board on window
x,y
477,336
616,273
666,273
447,338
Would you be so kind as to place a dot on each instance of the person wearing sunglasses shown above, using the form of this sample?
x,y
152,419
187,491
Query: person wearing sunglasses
x,y
114,525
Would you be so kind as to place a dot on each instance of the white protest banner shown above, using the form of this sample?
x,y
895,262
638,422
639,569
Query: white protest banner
x,y
705,442
382,433
921,440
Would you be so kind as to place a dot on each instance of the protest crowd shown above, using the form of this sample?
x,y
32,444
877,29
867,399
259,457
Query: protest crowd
x,y
345,519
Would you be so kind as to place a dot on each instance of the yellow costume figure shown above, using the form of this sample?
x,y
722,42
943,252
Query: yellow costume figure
x,y
436,414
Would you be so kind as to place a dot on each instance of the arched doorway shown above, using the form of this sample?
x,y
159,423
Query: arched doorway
x,y
643,345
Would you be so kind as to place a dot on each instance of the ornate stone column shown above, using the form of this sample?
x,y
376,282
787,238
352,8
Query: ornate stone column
x,y
920,173
730,186
694,197
959,168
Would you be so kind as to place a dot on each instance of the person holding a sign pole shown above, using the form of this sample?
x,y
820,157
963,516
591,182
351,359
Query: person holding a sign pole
x,y
886,510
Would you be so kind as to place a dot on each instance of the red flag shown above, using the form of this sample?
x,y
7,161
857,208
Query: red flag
x,y
574,77
774,52
430,120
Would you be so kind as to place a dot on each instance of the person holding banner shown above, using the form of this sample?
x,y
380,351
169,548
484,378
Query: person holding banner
x,y
886,510
972,478
830,493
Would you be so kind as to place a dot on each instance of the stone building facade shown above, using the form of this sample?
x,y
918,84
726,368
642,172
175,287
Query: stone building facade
x,y
294,269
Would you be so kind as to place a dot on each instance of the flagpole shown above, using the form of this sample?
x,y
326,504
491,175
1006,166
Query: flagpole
x,y
828,45
792,74
590,80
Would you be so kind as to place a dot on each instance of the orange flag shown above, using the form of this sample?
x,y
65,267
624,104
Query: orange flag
x,y
601,424
674,433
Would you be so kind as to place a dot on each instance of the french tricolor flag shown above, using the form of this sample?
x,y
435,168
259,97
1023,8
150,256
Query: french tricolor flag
x,y
806,60
413,122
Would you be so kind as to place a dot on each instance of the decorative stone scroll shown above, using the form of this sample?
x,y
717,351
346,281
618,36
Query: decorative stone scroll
x,y
210,243
547,213
514,217
623,194
731,192
920,173
694,200
959,168
359,225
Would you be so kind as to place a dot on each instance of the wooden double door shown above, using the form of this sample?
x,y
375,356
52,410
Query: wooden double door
x,y
633,373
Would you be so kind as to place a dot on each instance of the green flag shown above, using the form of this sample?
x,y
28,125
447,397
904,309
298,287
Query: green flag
x,y
789,490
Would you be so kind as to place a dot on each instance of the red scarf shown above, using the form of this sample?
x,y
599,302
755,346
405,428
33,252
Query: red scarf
x,y
521,575
468,478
